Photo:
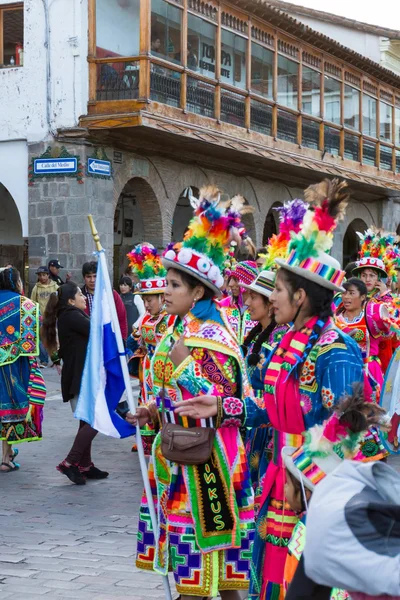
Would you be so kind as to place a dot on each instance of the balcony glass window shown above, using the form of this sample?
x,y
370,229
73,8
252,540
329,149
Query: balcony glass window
x,y
352,147
287,126
11,37
288,82
369,116
332,99
262,61
386,158
233,59
397,161
332,140
166,24
397,126
351,108
165,85
310,134
385,121
369,153
201,46
261,117
232,108
117,28
200,97
311,92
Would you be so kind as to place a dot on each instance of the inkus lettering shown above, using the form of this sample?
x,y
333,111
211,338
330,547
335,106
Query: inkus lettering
x,y
215,505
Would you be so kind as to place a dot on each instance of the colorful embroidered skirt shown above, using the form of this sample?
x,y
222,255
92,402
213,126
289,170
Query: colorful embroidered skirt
x,y
196,572
22,394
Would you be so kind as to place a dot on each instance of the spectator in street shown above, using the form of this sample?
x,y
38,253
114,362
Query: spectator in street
x,y
43,288
89,274
22,388
41,294
54,270
133,303
65,315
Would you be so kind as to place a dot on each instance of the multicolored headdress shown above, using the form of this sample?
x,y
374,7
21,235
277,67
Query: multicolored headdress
x,y
145,262
206,243
291,216
326,445
378,252
308,249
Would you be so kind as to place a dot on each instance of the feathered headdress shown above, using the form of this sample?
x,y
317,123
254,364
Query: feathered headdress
x,y
377,251
308,249
145,263
291,216
206,243
326,445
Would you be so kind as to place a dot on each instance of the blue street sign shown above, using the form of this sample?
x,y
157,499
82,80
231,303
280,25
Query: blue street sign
x,y
42,166
99,167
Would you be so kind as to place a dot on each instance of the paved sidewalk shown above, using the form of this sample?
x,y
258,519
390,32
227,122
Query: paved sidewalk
x,y
58,540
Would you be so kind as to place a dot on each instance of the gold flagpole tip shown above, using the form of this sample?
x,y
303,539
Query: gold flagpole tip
x,y
95,233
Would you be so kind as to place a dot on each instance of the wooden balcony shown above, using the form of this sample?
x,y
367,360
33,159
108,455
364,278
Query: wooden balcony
x,y
293,112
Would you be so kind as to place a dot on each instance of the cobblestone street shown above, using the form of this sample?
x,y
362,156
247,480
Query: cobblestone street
x,y
59,540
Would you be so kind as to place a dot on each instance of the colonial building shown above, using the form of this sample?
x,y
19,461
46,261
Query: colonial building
x,y
164,96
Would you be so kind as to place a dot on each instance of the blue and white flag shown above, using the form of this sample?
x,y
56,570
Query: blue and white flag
x,y
102,382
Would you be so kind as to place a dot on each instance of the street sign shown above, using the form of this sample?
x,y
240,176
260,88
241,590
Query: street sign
x,y
99,167
42,166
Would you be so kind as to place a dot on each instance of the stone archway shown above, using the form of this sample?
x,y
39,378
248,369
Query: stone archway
x,y
351,241
137,218
271,225
183,213
11,240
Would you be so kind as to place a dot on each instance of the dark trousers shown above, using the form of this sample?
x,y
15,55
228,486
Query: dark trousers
x,y
303,588
80,453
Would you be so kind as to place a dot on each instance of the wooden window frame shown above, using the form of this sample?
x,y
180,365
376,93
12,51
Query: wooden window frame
x,y
280,43
4,8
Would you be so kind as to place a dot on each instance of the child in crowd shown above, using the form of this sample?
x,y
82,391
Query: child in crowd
x,y
133,303
41,294
324,449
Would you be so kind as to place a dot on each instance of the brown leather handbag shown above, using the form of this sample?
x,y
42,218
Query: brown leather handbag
x,y
184,445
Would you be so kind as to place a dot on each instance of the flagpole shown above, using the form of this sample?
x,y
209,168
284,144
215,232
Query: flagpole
x,y
131,400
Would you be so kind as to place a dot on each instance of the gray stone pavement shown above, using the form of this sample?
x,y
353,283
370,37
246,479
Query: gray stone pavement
x,y
58,540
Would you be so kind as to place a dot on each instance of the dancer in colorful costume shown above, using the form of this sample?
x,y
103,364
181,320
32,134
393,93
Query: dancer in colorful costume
x,y
324,448
22,387
145,263
205,511
235,307
366,322
377,261
266,334
311,368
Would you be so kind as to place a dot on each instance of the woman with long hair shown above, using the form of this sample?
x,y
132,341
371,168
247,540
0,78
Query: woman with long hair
x,y
22,387
66,329
202,489
257,346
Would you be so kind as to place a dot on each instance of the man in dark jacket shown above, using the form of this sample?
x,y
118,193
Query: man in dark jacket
x,y
89,274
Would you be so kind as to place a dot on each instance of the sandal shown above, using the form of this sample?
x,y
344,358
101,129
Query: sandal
x,y
14,454
9,467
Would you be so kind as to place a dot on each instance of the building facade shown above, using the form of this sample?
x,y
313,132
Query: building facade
x,y
123,108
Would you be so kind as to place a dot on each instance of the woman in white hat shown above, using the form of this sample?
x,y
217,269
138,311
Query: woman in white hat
x,y
198,469
256,348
